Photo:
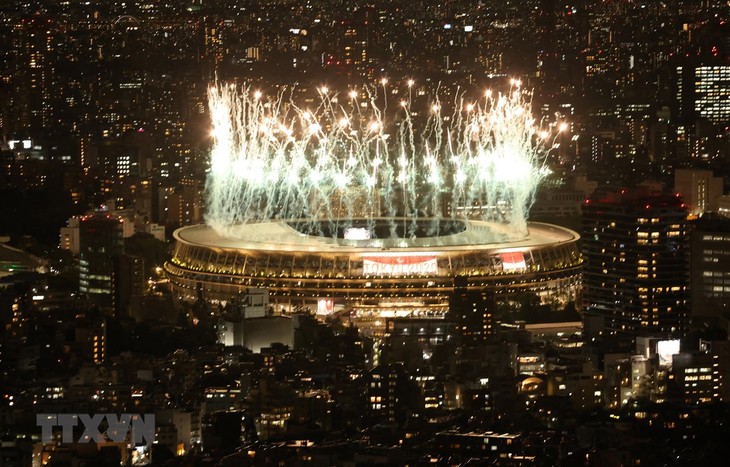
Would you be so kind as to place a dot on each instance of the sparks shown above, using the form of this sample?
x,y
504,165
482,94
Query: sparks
x,y
273,159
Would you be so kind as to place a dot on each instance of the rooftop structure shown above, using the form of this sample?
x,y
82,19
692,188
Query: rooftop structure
x,y
390,274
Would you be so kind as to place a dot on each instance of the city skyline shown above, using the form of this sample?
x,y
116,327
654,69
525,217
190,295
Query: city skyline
x,y
302,233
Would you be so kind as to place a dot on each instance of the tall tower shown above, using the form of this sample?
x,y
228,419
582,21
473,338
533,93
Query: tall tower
x,y
34,63
360,38
101,242
547,53
702,93
636,253
710,266
712,93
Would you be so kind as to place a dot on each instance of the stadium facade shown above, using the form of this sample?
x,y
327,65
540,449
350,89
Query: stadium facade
x,y
348,269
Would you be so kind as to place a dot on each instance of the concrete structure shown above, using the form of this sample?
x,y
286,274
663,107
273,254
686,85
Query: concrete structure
x,y
257,333
702,92
70,237
710,266
636,249
101,243
699,189
373,275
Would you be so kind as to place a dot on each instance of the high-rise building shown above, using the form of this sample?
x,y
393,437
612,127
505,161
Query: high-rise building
x,y
712,91
34,50
697,377
472,312
699,189
635,248
177,205
720,351
360,37
101,241
710,266
702,92
389,393
90,340
70,237
129,282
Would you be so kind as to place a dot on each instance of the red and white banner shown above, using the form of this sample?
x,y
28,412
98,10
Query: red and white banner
x,y
325,306
399,265
513,261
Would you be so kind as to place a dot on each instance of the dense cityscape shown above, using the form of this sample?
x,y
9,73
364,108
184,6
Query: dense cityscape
x,y
364,233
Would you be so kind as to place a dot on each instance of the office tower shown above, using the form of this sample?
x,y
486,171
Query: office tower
x,y
100,242
696,375
34,60
360,38
702,93
635,248
699,189
712,87
710,266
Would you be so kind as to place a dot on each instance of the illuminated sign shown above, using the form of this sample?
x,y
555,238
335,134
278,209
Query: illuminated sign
x,y
513,261
399,265
666,350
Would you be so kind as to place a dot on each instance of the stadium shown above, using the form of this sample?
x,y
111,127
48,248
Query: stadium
x,y
333,269
346,207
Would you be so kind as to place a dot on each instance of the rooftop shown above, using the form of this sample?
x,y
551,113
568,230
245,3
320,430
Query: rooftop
x,y
280,236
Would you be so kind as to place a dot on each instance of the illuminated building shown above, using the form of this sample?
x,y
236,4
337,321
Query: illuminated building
x,y
583,386
412,340
710,266
635,248
333,212
697,376
34,45
487,446
110,278
702,92
70,237
712,89
699,189
472,311
176,205
248,323
390,276
360,37
720,352
100,242
90,340
388,393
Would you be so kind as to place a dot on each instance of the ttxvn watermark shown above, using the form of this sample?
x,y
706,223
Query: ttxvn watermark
x,y
98,428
